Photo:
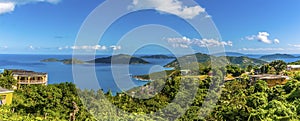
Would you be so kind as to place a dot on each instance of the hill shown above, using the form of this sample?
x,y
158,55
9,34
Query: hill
x,y
187,59
204,58
276,56
50,60
72,61
157,56
236,54
119,59
243,60
65,61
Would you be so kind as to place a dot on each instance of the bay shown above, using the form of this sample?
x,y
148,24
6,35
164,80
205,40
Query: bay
x,y
59,72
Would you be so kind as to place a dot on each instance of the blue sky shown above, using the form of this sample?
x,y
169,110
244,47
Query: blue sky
x,y
249,26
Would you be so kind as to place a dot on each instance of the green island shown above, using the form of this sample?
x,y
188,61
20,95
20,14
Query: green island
x,y
115,59
119,59
64,61
157,56
239,96
276,56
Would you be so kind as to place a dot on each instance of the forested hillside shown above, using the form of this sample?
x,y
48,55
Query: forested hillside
x,y
237,101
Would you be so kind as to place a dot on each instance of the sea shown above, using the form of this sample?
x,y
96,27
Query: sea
x,y
59,72
104,77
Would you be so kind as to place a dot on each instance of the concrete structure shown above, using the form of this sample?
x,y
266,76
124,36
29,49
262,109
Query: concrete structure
x,y
29,77
185,72
272,80
5,96
293,67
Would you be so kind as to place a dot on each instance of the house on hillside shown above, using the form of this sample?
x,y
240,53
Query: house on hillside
x,y
272,80
5,96
25,77
293,68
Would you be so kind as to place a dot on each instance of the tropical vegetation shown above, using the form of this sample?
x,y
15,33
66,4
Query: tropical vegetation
x,y
176,97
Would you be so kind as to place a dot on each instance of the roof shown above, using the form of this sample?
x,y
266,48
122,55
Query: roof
x,y
26,73
3,90
269,76
293,66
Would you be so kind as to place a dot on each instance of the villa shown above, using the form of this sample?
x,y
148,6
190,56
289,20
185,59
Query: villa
x,y
293,67
272,80
25,77
5,96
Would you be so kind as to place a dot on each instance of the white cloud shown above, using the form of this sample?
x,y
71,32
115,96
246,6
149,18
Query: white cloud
x,y
31,47
208,16
252,37
294,45
276,41
185,42
114,47
7,6
87,47
262,49
262,37
170,6
91,48
4,47
62,48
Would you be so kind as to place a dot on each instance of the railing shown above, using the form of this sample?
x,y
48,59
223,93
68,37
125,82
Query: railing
x,y
32,82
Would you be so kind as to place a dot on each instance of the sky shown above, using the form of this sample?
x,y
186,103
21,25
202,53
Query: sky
x,y
248,26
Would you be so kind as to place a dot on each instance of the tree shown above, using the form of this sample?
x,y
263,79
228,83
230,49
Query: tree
x,y
278,65
265,68
234,70
249,68
7,80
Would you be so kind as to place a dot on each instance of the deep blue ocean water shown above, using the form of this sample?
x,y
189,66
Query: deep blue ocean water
x,y
59,72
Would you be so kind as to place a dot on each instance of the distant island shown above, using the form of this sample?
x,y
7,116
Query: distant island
x,y
276,56
236,54
64,61
115,59
120,59
201,58
157,56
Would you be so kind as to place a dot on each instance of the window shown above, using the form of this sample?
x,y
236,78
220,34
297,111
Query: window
x,y
2,99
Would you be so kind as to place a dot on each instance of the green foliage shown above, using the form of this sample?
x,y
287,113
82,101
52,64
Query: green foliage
x,y
6,80
260,86
265,68
242,61
278,65
52,102
295,63
234,70
236,100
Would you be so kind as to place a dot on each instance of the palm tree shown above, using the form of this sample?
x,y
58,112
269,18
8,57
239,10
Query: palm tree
x,y
7,80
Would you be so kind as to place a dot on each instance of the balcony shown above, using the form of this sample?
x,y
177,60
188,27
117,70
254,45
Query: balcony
x,y
32,82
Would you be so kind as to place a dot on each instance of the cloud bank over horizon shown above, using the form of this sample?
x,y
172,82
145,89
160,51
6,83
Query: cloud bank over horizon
x,y
185,42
